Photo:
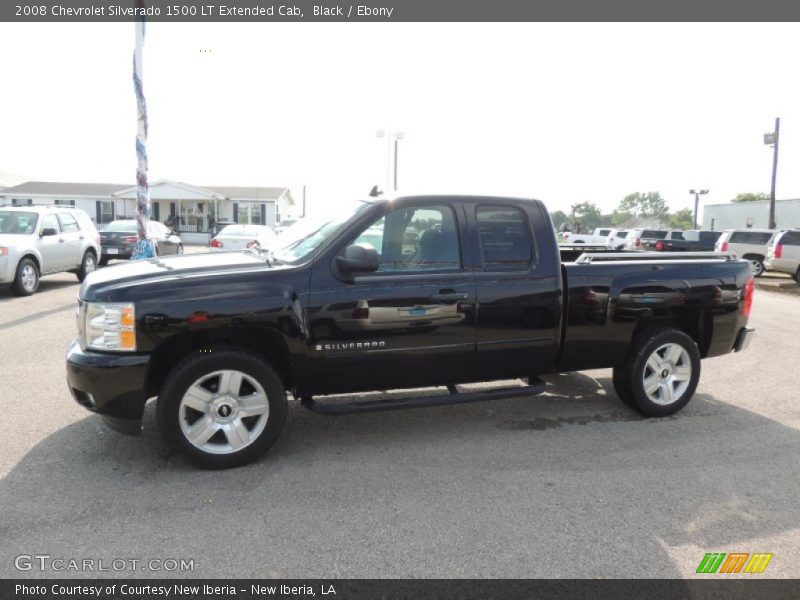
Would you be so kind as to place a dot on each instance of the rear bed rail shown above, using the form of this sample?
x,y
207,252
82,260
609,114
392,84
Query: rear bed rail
x,y
586,259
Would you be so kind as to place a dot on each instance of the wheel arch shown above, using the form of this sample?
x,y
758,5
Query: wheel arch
x,y
697,324
264,342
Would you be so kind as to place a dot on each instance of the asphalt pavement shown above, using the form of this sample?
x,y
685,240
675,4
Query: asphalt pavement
x,y
567,484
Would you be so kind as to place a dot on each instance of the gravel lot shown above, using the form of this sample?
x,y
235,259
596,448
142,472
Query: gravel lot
x,y
566,484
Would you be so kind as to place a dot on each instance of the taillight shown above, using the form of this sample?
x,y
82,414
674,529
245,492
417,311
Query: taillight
x,y
724,247
778,250
638,242
659,245
130,239
98,240
215,243
748,296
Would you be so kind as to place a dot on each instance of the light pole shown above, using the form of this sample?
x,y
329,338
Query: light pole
x,y
697,194
392,138
773,139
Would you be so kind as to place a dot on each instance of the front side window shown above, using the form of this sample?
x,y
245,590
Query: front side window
x,y
417,238
50,222
791,238
68,223
505,237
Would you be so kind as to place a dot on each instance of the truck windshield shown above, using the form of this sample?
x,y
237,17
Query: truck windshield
x,y
17,223
299,241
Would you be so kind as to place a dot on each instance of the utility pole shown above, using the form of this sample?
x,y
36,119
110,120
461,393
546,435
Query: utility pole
x,y
773,139
697,194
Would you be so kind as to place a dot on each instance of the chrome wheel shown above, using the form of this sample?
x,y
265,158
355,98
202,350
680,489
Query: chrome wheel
x,y
89,264
28,277
667,374
756,266
223,412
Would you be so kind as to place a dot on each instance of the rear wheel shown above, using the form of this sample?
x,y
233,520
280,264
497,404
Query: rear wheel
x,y
180,248
662,373
756,264
88,265
26,281
222,409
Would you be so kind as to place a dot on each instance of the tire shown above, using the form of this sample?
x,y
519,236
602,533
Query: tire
x,y
669,361
180,249
26,280
103,261
756,264
797,275
222,428
88,265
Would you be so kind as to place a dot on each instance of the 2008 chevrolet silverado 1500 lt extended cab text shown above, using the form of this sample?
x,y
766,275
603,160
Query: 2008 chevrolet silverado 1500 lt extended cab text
x,y
406,293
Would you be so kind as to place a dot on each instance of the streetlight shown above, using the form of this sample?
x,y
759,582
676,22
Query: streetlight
x,y
772,139
697,194
392,137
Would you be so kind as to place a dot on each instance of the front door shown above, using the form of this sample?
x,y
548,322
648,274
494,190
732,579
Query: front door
x,y
52,247
409,324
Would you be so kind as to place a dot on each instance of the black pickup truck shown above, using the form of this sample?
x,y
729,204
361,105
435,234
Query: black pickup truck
x,y
412,292
690,241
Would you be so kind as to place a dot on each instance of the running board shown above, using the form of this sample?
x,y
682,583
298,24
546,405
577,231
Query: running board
x,y
536,386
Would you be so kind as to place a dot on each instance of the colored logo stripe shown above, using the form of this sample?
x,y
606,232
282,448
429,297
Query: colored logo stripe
x,y
711,562
757,563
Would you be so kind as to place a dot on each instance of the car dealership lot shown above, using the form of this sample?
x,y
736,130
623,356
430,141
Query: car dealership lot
x,y
567,484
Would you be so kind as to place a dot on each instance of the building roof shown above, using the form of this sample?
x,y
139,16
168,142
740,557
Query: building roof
x,y
65,188
260,193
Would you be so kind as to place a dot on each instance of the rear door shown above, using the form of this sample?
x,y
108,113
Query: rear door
x,y
518,312
73,240
409,324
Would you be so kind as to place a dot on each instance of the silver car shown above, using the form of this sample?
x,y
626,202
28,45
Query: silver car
x,y
784,254
41,240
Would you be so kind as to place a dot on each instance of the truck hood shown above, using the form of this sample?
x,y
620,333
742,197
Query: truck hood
x,y
185,266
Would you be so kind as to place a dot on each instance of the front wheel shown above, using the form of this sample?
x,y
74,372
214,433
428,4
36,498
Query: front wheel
x,y
222,408
26,281
662,373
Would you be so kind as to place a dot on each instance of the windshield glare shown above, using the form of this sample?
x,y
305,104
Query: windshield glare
x,y
17,223
298,242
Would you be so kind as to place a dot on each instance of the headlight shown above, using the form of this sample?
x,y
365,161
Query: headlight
x,y
110,326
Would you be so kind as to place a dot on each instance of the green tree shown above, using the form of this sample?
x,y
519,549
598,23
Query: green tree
x,y
645,205
751,197
683,219
559,217
586,216
620,218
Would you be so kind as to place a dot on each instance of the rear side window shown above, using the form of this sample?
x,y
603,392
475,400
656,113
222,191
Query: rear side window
x,y
658,234
791,238
505,237
676,235
622,234
604,232
68,223
709,236
750,237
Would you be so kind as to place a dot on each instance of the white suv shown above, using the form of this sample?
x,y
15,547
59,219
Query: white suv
x,y
41,240
750,244
784,254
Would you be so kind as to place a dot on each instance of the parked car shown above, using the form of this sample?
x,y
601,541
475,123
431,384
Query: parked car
x,y
638,238
284,225
692,240
220,338
784,254
119,239
219,226
42,240
598,236
617,238
750,244
240,237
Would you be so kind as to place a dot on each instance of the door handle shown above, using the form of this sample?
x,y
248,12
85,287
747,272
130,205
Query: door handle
x,y
449,295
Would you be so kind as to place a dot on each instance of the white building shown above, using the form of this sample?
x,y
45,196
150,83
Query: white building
x,y
741,215
191,210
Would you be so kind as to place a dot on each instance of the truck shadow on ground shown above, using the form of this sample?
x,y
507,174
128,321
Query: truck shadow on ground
x,y
510,488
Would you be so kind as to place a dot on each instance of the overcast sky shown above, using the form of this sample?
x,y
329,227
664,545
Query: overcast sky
x,y
562,112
